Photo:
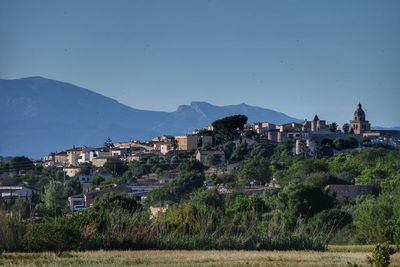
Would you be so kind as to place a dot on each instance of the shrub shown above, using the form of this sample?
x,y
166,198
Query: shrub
x,y
57,234
381,255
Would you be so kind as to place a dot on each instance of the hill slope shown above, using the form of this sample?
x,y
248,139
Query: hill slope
x,y
40,115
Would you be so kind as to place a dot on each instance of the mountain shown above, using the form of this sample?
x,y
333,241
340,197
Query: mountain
x,y
40,115
379,128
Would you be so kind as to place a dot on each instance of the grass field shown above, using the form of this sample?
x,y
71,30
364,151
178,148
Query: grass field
x,y
192,258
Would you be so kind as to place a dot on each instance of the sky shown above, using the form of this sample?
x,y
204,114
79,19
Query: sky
x,y
298,57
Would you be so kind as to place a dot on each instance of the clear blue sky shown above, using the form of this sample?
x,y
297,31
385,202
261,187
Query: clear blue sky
x,y
298,57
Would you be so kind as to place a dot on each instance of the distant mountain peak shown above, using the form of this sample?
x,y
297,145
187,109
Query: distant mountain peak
x,y
57,115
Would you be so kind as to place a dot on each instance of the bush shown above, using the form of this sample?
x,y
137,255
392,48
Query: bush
x,y
381,255
11,234
57,234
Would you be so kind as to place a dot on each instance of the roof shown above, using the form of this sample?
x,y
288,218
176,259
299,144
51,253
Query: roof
x,y
316,118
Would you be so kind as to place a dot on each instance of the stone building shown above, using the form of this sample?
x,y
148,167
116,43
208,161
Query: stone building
x,y
359,124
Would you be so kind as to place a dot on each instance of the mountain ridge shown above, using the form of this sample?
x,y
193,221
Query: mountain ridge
x,y
42,115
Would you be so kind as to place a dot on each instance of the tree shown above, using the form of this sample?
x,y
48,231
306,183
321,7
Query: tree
x,y
191,178
202,132
228,148
239,152
73,186
329,221
255,168
56,234
112,200
54,196
116,166
21,164
262,149
339,144
297,200
351,143
108,143
346,128
86,168
229,128
213,160
333,127
97,180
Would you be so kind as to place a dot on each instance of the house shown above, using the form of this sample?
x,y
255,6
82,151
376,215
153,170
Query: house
x,y
187,142
84,178
134,145
383,137
73,155
61,158
77,155
263,127
99,161
85,200
119,152
202,155
9,192
166,147
142,188
72,171
348,192
142,155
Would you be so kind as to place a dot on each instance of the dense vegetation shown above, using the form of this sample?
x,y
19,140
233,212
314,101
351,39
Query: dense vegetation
x,y
297,215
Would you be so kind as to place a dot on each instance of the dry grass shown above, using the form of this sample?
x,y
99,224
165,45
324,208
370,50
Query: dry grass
x,y
353,248
189,258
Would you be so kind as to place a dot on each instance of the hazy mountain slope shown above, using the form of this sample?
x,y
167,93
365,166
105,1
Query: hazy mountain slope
x,y
379,128
39,115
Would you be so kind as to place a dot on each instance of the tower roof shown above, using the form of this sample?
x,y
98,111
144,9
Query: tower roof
x,y
316,118
359,114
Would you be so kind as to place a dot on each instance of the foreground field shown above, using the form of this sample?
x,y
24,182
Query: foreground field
x,y
190,258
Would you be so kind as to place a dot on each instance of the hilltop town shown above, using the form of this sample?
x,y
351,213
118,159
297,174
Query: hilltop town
x,y
267,172
310,138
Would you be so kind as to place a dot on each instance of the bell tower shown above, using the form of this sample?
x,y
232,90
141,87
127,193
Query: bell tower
x,y
359,124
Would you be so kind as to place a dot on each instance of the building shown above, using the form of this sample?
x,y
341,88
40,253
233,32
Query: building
x,y
99,161
9,192
72,171
202,156
85,200
73,156
61,158
318,125
359,124
187,142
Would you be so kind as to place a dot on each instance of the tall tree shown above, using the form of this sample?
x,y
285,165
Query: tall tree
x,y
108,143
54,196
229,128
346,128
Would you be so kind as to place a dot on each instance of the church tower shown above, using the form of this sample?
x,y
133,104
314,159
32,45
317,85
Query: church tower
x,y
359,125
